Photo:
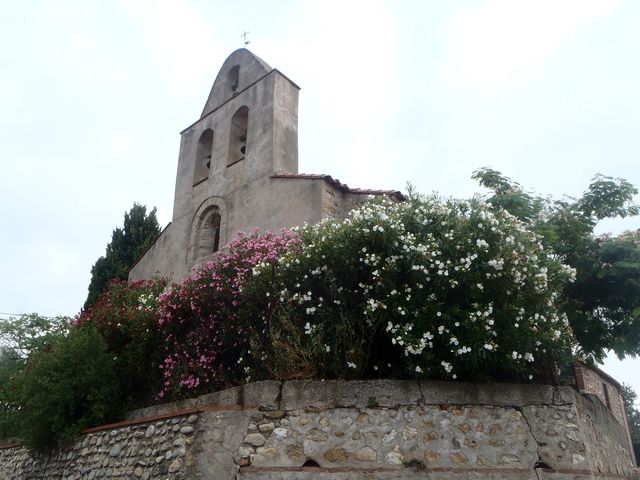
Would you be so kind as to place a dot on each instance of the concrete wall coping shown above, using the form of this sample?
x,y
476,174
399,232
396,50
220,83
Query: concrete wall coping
x,y
318,394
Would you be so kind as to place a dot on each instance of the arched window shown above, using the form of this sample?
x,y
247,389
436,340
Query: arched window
x,y
207,230
209,233
238,135
203,156
233,79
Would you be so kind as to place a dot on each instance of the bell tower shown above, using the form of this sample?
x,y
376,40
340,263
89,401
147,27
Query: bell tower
x,y
238,170
248,130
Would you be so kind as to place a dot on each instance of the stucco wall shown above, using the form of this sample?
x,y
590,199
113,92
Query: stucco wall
x,y
351,430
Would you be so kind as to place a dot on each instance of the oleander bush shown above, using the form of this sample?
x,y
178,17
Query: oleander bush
x,y
126,316
206,322
427,288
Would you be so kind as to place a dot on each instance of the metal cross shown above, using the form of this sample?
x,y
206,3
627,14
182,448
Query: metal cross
x,y
244,36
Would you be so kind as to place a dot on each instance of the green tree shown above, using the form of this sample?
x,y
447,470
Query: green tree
x,y
72,385
629,398
603,304
126,316
127,245
21,337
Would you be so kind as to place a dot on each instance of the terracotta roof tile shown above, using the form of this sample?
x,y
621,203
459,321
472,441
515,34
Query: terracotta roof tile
x,y
602,374
341,186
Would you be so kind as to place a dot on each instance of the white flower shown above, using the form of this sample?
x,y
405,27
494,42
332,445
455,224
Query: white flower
x,y
418,369
488,346
447,366
351,365
497,264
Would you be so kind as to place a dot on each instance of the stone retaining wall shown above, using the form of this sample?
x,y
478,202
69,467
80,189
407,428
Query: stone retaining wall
x,y
147,450
351,431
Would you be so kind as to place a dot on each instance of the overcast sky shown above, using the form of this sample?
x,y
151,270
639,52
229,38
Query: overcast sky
x,y
93,96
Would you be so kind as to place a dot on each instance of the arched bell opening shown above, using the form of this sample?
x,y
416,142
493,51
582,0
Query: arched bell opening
x,y
233,79
204,152
238,135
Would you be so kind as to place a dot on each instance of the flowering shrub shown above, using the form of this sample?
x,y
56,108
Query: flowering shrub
x,y
426,288
126,316
205,321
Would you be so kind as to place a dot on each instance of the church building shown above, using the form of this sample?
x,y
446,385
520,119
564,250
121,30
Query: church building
x,y
238,170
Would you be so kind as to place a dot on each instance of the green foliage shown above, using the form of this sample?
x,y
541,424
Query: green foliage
x,y
126,316
70,386
21,337
9,368
629,397
603,304
126,247
428,288
206,321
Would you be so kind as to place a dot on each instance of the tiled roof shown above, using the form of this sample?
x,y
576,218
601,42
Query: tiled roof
x,y
602,374
341,186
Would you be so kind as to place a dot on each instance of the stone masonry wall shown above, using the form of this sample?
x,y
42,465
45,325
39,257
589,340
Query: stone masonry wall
x,y
156,449
365,430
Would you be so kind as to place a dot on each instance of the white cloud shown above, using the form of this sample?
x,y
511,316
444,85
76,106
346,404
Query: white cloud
x,y
11,91
120,143
503,43
180,37
342,54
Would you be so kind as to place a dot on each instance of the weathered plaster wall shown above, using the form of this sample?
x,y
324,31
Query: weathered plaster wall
x,y
268,205
352,430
